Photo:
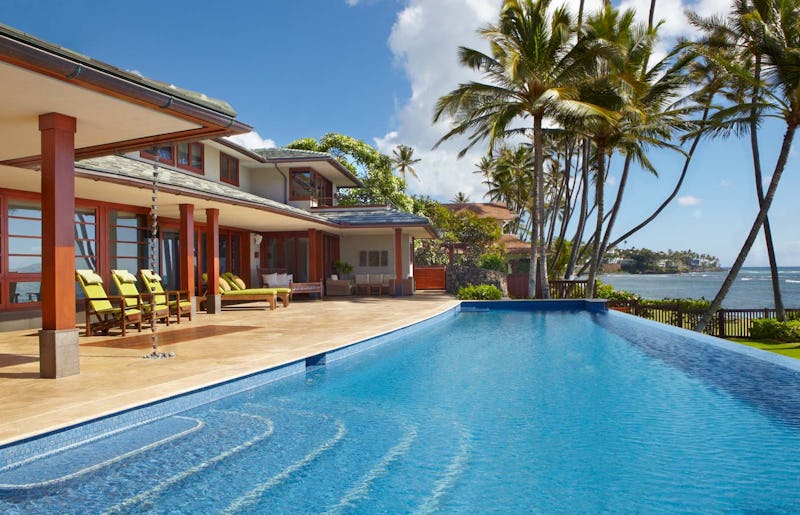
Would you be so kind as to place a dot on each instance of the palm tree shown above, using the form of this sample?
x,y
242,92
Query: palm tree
x,y
532,72
404,161
461,198
770,29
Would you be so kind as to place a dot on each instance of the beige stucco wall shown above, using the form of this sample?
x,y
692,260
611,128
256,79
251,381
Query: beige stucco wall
x,y
351,246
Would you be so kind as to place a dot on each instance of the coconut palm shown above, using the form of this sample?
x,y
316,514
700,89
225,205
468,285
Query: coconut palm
x,y
461,198
532,72
404,161
771,30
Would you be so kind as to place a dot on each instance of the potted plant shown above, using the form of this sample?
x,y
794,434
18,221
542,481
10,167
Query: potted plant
x,y
343,268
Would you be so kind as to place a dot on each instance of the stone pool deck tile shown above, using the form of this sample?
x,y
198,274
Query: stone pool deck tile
x,y
210,349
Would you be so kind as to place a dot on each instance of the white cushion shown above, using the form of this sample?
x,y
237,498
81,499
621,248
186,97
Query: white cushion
x,y
362,279
282,281
334,277
270,280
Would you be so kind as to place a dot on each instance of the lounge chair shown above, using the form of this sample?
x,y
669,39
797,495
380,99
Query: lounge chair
x,y
231,296
280,282
177,300
101,306
126,286
362,284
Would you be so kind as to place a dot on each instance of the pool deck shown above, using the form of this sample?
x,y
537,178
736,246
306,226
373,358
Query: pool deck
x,y
208,350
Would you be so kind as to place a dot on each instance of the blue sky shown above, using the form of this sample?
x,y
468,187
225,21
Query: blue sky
x,y
372,69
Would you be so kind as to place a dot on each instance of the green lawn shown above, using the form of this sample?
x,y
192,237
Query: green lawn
x,y
787,349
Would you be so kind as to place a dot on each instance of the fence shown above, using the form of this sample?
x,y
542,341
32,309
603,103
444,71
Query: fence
x,y
430,277
726,323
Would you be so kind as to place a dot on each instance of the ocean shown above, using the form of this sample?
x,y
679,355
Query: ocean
x,y
752,289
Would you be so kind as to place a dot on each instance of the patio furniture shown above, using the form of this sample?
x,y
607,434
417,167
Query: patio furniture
x,y
308,289
101,306
375,284
338,287
177,300
362,284
231,296
282,282
126,286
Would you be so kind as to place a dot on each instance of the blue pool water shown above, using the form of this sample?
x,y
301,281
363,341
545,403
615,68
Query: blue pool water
x,y
511,411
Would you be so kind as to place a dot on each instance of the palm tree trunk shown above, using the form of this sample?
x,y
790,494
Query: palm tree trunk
x,y
780,312
543,290
617,202
598,230
751,237
671,196
652,14
576,240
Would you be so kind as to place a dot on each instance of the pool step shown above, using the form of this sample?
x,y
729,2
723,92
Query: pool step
x,y
93,454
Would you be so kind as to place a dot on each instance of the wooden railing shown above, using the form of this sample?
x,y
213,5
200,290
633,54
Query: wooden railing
x,y
568,289
726,323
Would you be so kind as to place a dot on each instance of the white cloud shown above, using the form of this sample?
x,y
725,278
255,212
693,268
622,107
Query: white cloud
x,y
725,184
252,140
352,3
689,200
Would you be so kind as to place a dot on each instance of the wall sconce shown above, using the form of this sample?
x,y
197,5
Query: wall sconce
x,y
257,239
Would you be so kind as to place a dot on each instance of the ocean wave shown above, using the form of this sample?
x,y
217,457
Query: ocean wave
x,y
747,278
792,281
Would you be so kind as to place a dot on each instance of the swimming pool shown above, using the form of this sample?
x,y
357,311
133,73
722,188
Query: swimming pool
x,y
501,410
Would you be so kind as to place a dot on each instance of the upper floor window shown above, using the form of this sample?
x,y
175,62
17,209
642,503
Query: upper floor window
x,y
228,169
188,156
310,185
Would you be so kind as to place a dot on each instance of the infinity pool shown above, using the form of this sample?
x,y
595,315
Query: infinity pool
x,y
501,410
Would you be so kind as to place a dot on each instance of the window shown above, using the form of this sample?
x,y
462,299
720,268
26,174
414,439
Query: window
x,y
187,156
309,185
373,258
128,245
228,169
24,237
190,157
85,239
163,154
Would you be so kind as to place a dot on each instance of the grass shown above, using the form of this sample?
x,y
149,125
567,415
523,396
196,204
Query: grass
x,y
791,350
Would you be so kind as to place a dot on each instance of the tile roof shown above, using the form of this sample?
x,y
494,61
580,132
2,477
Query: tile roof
x,y
132,168
290,153
371,216
143,170
496,210
514,245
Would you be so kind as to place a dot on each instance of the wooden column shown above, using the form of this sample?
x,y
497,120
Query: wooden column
x,y
398,261
187,252
213,298
313,255
58,339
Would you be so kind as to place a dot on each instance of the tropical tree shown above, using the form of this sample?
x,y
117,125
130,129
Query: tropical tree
x,y
771,30
461,198
404,160
531,73
363,160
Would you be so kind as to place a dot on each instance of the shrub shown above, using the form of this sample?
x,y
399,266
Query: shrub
x,y
480,292
606,291
493,262
771,329
700,304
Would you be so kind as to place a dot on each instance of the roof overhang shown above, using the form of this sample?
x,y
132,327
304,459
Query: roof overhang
x,y
328,167
116,111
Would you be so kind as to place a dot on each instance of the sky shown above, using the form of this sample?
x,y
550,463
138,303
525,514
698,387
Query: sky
x,y
373,69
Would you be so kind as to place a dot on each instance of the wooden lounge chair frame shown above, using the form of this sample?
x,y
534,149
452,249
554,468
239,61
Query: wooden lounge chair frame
x,y
126,286
178,300
101,306
231,296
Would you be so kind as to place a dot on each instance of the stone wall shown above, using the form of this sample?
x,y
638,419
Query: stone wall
x,y
459,276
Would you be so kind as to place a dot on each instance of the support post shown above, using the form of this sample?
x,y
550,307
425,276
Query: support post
x,y
313,256
58,340
187,253
398,261
213,298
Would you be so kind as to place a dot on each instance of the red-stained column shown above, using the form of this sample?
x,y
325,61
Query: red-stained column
x,y
398,261
187,252
314,257
213,298
58,339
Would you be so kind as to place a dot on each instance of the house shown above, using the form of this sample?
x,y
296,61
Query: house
x,y
88,149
